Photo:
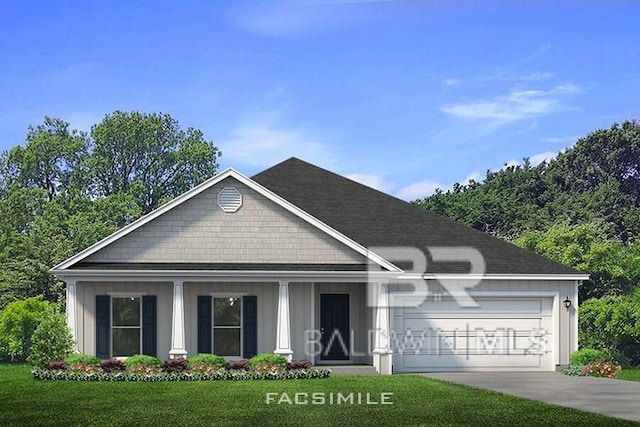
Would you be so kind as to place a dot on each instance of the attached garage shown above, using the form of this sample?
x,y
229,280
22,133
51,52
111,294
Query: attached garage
x,y
503,333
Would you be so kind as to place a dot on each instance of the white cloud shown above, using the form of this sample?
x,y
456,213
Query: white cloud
x,y
516,105
561,139
263,142
536,159
473,176
452,81
371,180
419,189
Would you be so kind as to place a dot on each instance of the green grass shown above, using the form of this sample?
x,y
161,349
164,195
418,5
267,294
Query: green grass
x,y
416,401
629,374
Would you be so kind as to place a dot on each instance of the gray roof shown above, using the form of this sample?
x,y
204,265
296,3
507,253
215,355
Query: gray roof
x,y
373,218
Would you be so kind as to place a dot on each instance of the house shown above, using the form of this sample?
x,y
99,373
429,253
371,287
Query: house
x,y
305,263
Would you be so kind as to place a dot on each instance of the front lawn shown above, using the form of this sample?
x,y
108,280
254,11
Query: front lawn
x,y
629,374
416,401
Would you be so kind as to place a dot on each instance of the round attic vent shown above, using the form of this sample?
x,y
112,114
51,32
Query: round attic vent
x,y
229,199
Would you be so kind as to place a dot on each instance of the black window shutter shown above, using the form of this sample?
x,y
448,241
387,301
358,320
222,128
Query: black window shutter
x,y
204,324
149,328
103,326
250,326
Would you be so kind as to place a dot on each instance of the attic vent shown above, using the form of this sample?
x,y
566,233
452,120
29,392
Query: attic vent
x,y
229,199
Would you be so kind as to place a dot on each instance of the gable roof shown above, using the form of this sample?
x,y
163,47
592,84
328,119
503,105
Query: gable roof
x,y
373,218
76,259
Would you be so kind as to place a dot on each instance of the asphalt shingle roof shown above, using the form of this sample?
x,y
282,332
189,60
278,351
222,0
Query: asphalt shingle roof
x,y
373,218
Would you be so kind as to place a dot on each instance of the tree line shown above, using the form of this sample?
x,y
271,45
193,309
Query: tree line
x,y
65,189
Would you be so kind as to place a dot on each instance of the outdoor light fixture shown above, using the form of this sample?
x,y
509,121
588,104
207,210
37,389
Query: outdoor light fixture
x,y
567,303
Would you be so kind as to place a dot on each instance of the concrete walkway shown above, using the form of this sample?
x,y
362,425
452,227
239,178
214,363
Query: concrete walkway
x,y
616,398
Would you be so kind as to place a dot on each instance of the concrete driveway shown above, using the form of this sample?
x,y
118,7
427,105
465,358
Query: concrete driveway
x,y
616,398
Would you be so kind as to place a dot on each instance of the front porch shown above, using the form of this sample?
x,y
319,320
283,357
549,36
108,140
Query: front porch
x,y
293,317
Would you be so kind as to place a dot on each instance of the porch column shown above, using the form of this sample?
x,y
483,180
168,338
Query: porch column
x,y
72,320
177,322
382,353
283,330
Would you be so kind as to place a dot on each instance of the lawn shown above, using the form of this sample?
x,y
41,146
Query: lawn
x,y
416,401
629,374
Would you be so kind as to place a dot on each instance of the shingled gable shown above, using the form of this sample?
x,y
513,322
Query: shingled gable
x,y
373,218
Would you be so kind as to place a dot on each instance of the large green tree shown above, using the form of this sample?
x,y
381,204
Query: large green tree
x,y
148,156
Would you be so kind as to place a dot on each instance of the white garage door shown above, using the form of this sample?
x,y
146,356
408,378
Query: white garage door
x,y
501,334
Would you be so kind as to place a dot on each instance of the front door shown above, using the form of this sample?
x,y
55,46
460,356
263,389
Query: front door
x,y
334,326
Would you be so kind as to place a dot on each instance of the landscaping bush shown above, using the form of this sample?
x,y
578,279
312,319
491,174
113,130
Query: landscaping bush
x,y
602,368
299,364
51,340
241,365
56,365
574,370
83,363
587,355
268,362
611,324
175,365
142,364
205,362
18,321
112,365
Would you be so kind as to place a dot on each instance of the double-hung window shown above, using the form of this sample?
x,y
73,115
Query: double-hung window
x,y
227,326
126,327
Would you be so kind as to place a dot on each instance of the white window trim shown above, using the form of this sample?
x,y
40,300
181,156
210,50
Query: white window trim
x,y
112,327
218,295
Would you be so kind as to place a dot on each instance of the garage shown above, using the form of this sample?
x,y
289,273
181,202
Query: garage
x,y
502,333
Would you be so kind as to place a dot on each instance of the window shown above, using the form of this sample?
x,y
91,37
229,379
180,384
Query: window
x,y
126,328
227,326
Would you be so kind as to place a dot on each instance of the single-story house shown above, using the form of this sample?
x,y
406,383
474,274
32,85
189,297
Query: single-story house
x,y
305,263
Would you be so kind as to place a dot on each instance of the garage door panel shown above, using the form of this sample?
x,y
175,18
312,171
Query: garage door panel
x,y
511,305
424,340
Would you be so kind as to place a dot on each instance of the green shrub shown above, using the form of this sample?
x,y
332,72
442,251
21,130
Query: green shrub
x,y
265,361
142,359
574,371
51,340
611,324
82,359
587,355
205,362
18,321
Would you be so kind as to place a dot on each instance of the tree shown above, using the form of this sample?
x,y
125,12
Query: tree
x,y
51,341
148,156
48,160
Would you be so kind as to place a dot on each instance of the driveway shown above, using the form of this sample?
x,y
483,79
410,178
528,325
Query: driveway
x,y
616,398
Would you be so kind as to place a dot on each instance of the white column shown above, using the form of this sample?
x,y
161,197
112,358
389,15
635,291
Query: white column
x,y
283,331
72,320
382,354
177,322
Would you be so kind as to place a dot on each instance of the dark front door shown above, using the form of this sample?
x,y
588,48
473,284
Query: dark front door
x,y
334,326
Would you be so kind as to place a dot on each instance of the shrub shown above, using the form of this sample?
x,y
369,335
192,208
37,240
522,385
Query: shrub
x,y
265,361
51,340
205,362
175,365
18,321
239,365
601,368
574,370
112,365
57,365
587,355
610,324
299,364
142,364
84,359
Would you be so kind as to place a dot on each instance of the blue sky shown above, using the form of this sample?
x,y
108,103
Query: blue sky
x,y
405,96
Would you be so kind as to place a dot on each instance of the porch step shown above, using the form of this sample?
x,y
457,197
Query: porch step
x,y
351,369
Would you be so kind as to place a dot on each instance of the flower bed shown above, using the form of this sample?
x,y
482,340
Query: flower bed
x,y
205,369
